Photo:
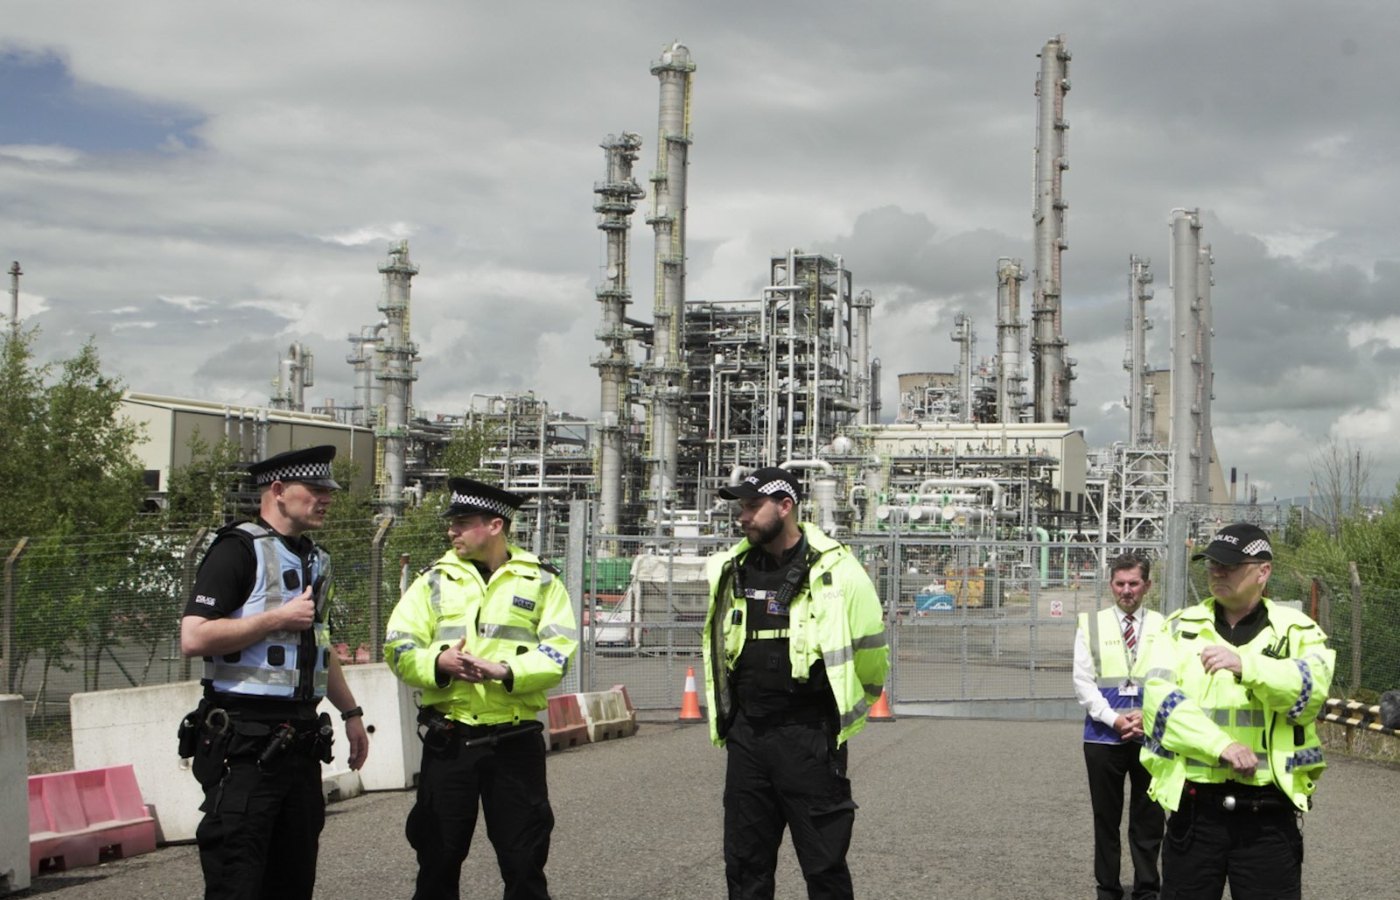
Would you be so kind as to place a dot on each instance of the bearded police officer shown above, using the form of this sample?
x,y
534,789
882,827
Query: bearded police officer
x,y
795,654
258,617
483,633
1230,706
1111,651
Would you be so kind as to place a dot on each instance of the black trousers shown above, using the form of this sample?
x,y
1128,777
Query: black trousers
x,y
508,782
1108,766
793,776
260,832
1259,853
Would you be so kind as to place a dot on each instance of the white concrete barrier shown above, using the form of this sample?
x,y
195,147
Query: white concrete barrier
x,y
391,719
139,725
14,795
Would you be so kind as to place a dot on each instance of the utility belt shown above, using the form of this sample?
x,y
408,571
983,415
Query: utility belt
x,y
1240,799
212,737
439,733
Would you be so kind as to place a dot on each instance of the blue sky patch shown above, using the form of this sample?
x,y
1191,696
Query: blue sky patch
x,y
43,104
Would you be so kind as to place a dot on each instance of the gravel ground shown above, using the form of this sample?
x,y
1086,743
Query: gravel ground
x,y
949,809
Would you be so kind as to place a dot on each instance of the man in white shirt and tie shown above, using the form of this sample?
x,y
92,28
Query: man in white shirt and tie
x,y
1110,653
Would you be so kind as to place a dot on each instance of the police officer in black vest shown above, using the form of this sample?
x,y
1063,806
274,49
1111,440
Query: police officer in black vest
x,y
257,615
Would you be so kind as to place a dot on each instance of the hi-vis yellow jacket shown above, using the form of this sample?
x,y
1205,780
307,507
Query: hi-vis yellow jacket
x,y
837,618
1190,717
521,617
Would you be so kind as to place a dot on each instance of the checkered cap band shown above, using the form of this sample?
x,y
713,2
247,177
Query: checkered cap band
x,y
1254,548
776,486
297,472
499,507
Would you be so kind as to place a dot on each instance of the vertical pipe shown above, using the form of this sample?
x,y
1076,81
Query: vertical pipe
x,y
1010,372
397,375
668,219
1186,243
1205,374
1051,367
1139,292
617,196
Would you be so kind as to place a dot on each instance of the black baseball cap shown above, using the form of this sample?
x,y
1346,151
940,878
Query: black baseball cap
x,y
766,482
1238,543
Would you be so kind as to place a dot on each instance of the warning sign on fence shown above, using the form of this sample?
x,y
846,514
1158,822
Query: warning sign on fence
x,y
1057,608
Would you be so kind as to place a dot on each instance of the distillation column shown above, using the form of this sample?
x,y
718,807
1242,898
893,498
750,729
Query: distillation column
x,y
861,341
1010,373
397,355
1052,367
617,200
1138,402
295,373
1186,361
668,220
966,340
1205,387
361,357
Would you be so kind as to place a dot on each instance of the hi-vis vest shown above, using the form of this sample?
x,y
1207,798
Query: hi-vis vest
x,y
1191,717
284,664
1104,635
521,616
836,618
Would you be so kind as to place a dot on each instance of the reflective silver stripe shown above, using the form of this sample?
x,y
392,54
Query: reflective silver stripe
x,y
1220,717
435,591
871,642
451,632
838,657
252,674
396,636
563,631
769,634
272,574
1262,766
323,679
506,632
850,718
1250,718
1163,674
1094,642
1110,682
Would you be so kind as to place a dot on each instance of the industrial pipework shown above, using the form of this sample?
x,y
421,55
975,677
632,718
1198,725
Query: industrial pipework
x,y
1138,401
617,200
396,372
1052,369
667,369
1190,373
1010,372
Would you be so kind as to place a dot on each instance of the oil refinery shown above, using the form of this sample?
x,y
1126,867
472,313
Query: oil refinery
x,y
706,387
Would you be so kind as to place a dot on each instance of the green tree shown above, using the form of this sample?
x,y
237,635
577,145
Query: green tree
x,y
75,488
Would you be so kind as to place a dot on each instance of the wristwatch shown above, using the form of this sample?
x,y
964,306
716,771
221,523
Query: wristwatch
x,y
351,713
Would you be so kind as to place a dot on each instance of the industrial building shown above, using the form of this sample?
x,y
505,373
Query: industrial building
x,y
709,386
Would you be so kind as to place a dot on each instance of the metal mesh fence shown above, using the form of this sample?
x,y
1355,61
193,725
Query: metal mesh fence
x,y
973,623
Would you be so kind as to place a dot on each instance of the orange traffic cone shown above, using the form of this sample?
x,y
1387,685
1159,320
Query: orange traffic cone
x,y
690,702
880,712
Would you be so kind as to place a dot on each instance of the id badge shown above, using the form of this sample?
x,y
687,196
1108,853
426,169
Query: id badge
x,y
1128,689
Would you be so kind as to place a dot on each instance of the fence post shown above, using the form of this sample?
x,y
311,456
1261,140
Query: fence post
x,y
7,616
188,569
376,585
1355,630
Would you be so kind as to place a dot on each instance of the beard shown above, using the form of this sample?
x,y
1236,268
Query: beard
x,y
761,535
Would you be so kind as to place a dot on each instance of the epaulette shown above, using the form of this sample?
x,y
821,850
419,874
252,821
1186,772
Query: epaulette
x,y
550,568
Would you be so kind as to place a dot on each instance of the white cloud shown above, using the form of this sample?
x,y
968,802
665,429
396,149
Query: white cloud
x,y
41,153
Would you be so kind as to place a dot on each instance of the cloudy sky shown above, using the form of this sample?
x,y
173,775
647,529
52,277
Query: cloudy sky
x,y
198,185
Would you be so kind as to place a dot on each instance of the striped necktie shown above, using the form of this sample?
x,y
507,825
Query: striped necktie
x,y
1129,636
